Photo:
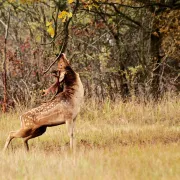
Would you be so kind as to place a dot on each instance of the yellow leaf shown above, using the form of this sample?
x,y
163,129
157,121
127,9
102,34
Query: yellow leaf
x,y
11,1
96,6
50,30
70,14
63,20
89,7
48,23
38,38
70,1
62,14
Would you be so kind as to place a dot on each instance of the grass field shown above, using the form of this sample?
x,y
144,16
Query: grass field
x,y
113,141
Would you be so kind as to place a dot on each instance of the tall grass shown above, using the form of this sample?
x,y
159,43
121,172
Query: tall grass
x,y
131,140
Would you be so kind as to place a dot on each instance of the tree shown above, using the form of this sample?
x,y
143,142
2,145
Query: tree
x,y
4,74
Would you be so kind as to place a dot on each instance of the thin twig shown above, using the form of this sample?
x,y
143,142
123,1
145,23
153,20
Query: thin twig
x,y
55,59
85,43
3,24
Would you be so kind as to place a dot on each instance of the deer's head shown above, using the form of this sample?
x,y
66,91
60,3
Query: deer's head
x,y
63,63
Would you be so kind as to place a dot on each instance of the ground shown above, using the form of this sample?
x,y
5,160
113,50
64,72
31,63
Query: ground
x,y
113,141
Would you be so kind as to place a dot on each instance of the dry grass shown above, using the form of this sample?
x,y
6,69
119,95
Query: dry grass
x,y
114,141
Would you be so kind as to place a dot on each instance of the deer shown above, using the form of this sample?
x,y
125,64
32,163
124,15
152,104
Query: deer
x,y
62,109
57,87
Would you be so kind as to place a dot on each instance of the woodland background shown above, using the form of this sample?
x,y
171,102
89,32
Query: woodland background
x,y
121,48
128,56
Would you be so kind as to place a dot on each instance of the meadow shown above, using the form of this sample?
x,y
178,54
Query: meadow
x,y
114,140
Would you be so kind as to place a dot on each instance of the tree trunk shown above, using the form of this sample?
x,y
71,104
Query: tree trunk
x,y
156,40
4,74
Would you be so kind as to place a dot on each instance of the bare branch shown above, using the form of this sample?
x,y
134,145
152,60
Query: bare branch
x,y
3,24
63,48
55,59
65,28
4,64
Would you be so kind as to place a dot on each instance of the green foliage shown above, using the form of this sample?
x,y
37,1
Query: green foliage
x,y
132,72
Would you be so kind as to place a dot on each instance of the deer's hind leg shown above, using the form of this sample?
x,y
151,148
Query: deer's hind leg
x,y
16,134
38,132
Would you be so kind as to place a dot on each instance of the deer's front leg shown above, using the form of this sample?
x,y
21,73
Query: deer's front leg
x,y
70,129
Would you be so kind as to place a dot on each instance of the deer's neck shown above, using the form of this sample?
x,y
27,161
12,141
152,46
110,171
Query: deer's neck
x,y
70,79
73,86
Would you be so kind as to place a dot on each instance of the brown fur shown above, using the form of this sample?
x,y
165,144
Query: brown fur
x,y
55,87
62,109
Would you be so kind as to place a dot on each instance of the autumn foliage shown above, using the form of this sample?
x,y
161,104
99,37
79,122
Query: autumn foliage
x,y
122,49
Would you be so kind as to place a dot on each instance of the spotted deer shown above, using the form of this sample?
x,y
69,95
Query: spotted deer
x,y
63,109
